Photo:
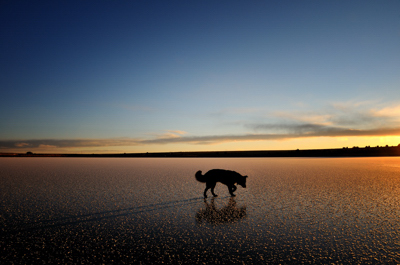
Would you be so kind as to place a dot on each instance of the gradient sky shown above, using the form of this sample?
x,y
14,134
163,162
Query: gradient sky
x,y
148,76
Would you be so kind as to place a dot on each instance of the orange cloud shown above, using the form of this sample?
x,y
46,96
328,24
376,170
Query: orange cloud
x,y
21,144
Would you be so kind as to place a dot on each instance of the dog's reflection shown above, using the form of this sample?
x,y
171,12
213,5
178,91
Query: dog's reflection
x,y
227,214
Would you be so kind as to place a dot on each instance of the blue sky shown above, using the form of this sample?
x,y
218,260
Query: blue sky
x,y
148,76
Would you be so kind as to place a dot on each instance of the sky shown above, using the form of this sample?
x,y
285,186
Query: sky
x,y
166,76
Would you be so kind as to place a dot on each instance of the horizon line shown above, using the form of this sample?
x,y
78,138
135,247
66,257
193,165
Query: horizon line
x,y
355,149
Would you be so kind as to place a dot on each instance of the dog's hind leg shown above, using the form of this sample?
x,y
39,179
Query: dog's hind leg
x,y
212,190
205,191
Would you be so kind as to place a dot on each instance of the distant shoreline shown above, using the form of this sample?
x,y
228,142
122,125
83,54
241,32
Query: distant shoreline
x,y
342,152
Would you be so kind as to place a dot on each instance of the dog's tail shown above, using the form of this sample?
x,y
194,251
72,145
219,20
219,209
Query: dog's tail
x,y
200,177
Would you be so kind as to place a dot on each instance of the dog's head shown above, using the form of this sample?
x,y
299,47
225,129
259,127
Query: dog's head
x,y
242,181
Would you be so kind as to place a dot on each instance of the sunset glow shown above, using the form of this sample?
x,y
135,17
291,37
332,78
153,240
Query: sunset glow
x,y
126,77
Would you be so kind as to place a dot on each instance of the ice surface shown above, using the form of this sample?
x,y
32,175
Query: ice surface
x,y
151,211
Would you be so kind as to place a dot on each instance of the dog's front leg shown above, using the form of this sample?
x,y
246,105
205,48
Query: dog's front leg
x,y
212,191
232,189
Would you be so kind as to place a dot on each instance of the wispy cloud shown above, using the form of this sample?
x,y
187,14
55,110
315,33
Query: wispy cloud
x,y
339,122
66,143
171,134
355,115
296,131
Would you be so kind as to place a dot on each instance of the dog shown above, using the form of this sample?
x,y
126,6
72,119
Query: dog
x,y
227,177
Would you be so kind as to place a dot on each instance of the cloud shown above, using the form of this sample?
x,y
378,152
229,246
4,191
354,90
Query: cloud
x,y
355,115
391,111
47,146
64,143
292,132
307,117
298,131
171,134
342,121
19,144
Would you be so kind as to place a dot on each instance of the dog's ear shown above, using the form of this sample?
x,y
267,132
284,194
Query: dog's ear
x,y
246,176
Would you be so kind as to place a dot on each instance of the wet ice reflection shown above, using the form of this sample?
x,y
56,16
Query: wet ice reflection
x,y
92,211
213,215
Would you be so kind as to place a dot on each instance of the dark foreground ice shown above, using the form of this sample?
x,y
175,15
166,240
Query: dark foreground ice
x,y
151,211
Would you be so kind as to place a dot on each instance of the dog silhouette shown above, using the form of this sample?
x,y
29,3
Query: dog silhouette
x,y
227,177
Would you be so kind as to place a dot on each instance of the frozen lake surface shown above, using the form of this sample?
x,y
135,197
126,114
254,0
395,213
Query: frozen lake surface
x,y
151,211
